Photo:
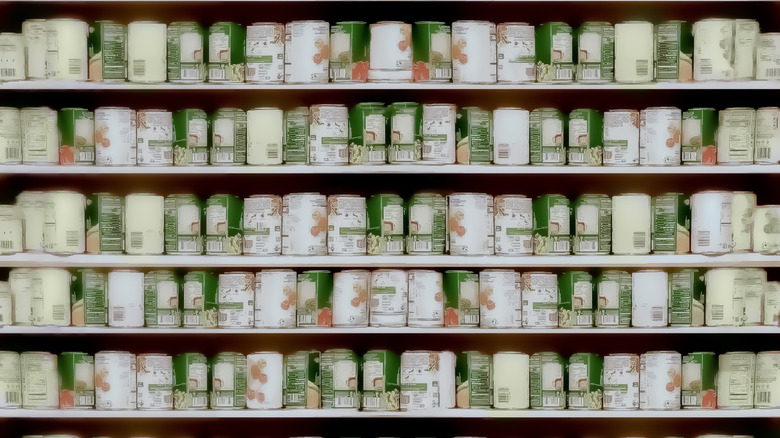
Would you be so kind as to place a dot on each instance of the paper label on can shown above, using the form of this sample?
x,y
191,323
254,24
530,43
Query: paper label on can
x,y
438,133
516,53
621,382
265,53
420,381
329,137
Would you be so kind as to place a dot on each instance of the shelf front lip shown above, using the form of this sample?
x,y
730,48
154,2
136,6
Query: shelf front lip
x,y
404,261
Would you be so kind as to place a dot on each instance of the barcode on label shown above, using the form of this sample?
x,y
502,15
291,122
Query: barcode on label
x,y
690,400
703,238
763,397
607,399
188,246
304,319
551,157
422,246
772,72
591,73
717,312
74,66
395,246
561,246
214,246
223,317
340,73
588,246
189,73
225,401
87,156
762,153
442,73
192,319
405,399
7,72
503,395
657,313
293,398
118,314
199,401
12,397
503,151
471,319
6,244
576,400
609,319
216,74
585,319
403,155
344,402
576,157
167,399
58,312
72,238
136,239
607,155
563,74
224,157
165,320
642,67
200,157
272,151
427,149
705,66
640,239
370,402
343,153
139,67
13,153
551,401
690,156
377,156
86,400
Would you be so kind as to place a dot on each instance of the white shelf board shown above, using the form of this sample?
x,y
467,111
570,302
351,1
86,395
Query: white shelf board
x,y
400,261
422,169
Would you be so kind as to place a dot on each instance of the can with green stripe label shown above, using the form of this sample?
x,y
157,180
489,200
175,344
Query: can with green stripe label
x,y
613,290
386,224
349,51
585,147
699,371
190,138
314,299
575,299
381,378
699,127
673,51
432,54
199,299
686,297
77,136
226,57
367,138
474,380
595,52
547,381
404,120
228,381
77,380
88,297
190,382
161,299
554,53
671,224
183,224
474,136
461,299
224,216
107,51
186,52
302,380
586,381
547,130
552,225
592,224
339,378
228,137
105,223
296,136
427,224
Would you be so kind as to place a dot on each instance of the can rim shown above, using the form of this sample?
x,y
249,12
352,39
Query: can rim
x,y
662,352
101,108
286,271
622,111
304,194
474,22
770,107
389,22
266,352
113,352
307,21
510,352
514,23
510,108
266,23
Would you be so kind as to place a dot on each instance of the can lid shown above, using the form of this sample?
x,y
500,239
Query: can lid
x,y
353,271
513,23
245,273
622,354
276,271
701,109
701,352
112,352
303,194
345,196
430,22
473,22
11,34
634,22
423,271
265,108
125,271
266,23
768,108
661,352
739,108
511,352
181,23
153,110
661,108
350,22
737,352
298,22
103,108
644,195
622,111
467,194
510,108
147,22
382,23
537,273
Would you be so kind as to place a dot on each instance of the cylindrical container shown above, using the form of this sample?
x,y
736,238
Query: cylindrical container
x,y
516,53
511,127
386,216
265,53
585,375
671,224
743,206
50,297
631,223
699,126
595,52
228,381
510,380
621,138
745,39
771,303
339,370
649,295
766,235
473,52
767,388
12,64
20,282
183,217
346,225
713,49
107,50
6,306
438,133
10,380
575,299
426,386
470,223
554,53
228,137
190,382
265,129
381,375
223,216
11,230
660,377
144,224
77,136
736,380
236,300
767,147
634,52
329,135
540,300
585,144
66,57
367,139
125,298
275,298
155,138
474,380
427,224
426,298
547,137
155,382
264,380
753,283
105,224
698,380
89,298
461,298
473,132
552,225
77,380
686,297
350,292
500,301
349,51
621,382
40,137
31,210
63,222
404,122
659,136
40,380
390,52
736,136
11,136
725,303
227,63
304,224
147,52
315,299
115,381
302,380
432,51
262,225
306,52
389,291
768,57
513,225
711,224
592,224
673,46
35,47
547,381
161,299
115,137
199,299
186,52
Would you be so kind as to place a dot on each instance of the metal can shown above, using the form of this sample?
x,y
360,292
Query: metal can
x,y
350,293
470,224
547,137
768,57
306,52
302,380
595,52
186,52
634,52
711,224
673,46
77,136
115,381
547,381
426,298
405,125
686,297
155,382
305,224
50,297
513,225
296,136
766,238
474,136
649,298
10,380
190,382
510,380
228,137
315,299
367,139
30,208
265,53
40,142
698,380
105,226
66,57
77,380
381,374
63,222
511,136
386,231
540,300
155,137
713,49
199,299
659,136
516,50
226,52
125,298
236,300
621,382
575,299
190,138
743,209
745,39
631,223
593,224
432,54
275,298
660,378
115,134
346,224
422,380
771,303
39,381
262,225
552,225
725,303
264,136
474,380
438,133
389,291
144,224
585,145
585,376
12,65
461,298
671,224
736,136
614,290
265,380
223,216
390,52
754,282
554,53
228,381
89,298
11,230
35,47
107,51
767,147
427,224
699,126
11,136
500,301
161,299
20,282
473,52
767,388
621,138
349,51
339,373
329,135
736,380
146,52
183,224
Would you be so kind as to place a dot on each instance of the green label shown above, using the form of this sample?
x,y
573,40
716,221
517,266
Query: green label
x,y
340,380
473,377
105,223
427,224
474,134
302,380
108,49
296,135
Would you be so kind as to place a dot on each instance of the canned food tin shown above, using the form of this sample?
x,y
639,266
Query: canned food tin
x,y
63,222
190,138
474,136
713,49
305,224
698,380
745,39
470,223
265,53
20,282
186,52
223,216
473,52
199,299
144,224
659,136
474,380
381,375
585,374
743,207
115,136
339,371
228,137
673,51
296,136
421,377
516,50
390,52
11,136
711,222
236,300
500,301
593,224
125,298
50,297
161,299
547,381
671,224
432,55
346,224
386,224
35,48
427,224
10,380
771,303
155,138
77,381
275,298
767,147
228,381
575,299
614,291
40,380
107,51
552,229
315,299
766,236
631,223
262,225
595,52
190,382
767,389
634,52
115,381
768,57
147,52
540,300
302,380
621,382
77,136
265,380
736,136
736,380
389,298
306,52
584,148
40,142
554,54
461,298
510,380
725,303
659,380
11,230
155,382
367,139
426,298
699,126
511,136
686,297
405,124
350,292
226,52
30,208
66,57
329,135
621,138
547,137
183,224
438,133
755,279
649,298
513,225
89,298
12,65
349,51
264,137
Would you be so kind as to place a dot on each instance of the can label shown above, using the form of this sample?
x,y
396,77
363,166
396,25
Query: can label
x,y
470,223
474,136
426,299
500,299
540,299
306,52
420,380
350,293
659,137
275,298
673,51
593,225
296,136
199,299
185,52
349,51
305,225
155,138
105,219
107,50
686,297
10,380
613,290
389,298
263,225
438,133
190,138
265,380
547,381
736,380
381,381
767,135
386,214
302,380
516,50
10,136
339,373
586,127
698,380
190,382
621,138
346,224
671,224
228,137
236,299
432,43
226,52
77,136
427,224
405,123
367,140
621,382
461,299
329,135
575,299
115,132
228,381
155,382
77,381
736,135
474,380
265,53
585,381
161,299
547,137
182,225
595,52
474,52
40,380
89,298
513,225
659,381
767,380
554,54
315,299
223,216
115,381
699,126
552,229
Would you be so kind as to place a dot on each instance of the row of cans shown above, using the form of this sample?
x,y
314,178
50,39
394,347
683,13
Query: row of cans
x,y
492,298
372,133
466,51
381,380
